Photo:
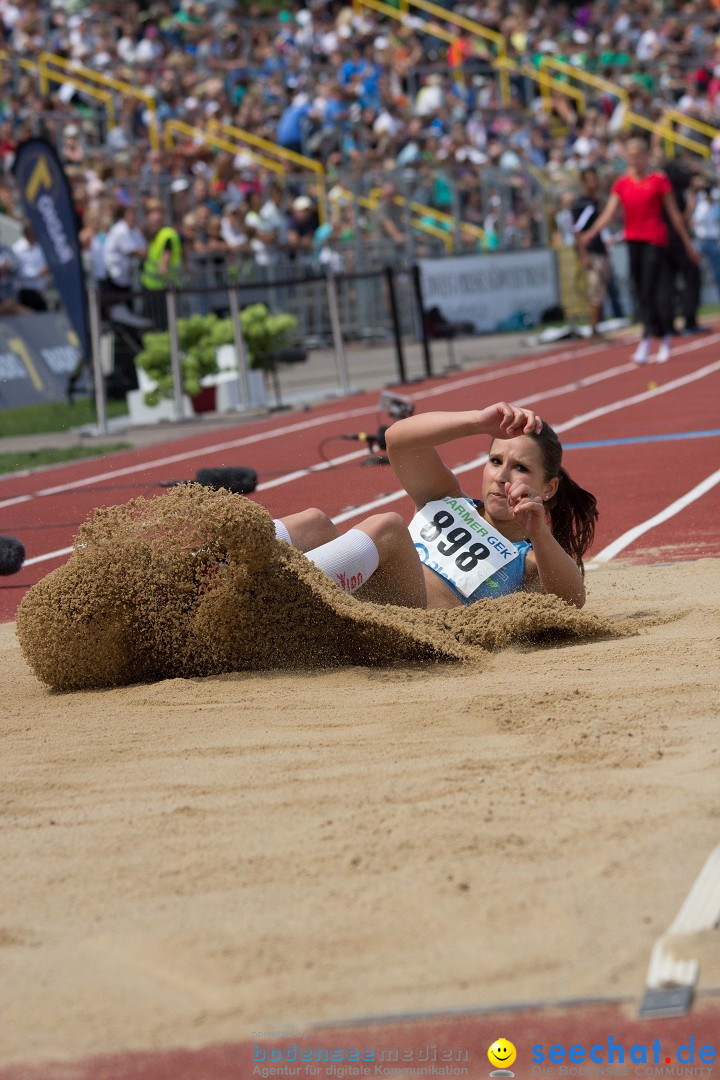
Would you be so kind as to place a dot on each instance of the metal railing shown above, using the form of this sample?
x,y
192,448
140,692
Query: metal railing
x,y
662,128
504,66
674,116
290,156
102,95
462,22
69,70
337,298
171,127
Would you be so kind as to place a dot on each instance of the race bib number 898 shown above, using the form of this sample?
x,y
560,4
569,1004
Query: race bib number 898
x,y
453,539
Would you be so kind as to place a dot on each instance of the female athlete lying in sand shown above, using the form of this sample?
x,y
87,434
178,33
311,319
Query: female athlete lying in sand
x,y
444,558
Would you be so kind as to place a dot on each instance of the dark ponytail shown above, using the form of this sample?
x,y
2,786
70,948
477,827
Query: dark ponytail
x,y
573,511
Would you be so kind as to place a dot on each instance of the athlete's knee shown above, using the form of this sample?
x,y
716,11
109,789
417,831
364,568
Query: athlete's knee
x,y
386,529
319,524
311,528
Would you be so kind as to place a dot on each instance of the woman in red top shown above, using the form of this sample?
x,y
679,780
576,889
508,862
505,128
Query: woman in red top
x,y
644,195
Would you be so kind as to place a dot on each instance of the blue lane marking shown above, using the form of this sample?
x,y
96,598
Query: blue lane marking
x,y
641,439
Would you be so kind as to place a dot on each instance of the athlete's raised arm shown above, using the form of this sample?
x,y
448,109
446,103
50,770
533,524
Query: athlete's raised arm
x,y
411,445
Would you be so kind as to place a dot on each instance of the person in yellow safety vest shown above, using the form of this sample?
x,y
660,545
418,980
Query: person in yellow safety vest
x,y
162,266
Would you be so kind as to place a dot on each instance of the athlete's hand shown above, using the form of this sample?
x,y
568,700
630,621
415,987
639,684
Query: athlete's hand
x,y
504,421
527,507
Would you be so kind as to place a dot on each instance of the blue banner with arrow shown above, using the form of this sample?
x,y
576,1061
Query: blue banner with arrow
x,y
48,203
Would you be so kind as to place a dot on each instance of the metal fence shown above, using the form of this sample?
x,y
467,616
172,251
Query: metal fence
x,y
298,287
328,307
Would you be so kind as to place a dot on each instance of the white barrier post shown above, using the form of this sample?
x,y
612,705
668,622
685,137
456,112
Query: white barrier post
x,y
340,360
175,365
240,349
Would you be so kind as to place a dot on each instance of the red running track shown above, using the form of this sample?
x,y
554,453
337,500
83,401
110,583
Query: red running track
x,y
439,1045
593,394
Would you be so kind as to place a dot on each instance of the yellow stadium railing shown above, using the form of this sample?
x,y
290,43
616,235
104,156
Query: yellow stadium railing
x,y
171,127
547,83
48,62
372,199
434,30
21,61
663,128
97,92
309,164
672,138
586,77
503,63
674,116
417,223
473,27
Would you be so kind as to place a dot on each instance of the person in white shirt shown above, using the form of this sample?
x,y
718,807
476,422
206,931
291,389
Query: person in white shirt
x,y
32,270
125,244
273,216
706,228
232,231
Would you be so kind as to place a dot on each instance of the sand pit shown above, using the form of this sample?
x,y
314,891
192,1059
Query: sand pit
x,y
196,584
187,861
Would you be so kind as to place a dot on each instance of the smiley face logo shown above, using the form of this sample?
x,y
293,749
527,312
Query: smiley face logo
x,y
502,1054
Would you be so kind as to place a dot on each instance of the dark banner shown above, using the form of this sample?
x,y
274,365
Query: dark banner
x,y
37,355
48,204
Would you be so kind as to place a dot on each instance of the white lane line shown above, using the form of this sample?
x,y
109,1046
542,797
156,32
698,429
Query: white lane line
x,y
627,538
261,487
50,555
291,429
476,462
557,391
515,369
16,500
614,406
286,478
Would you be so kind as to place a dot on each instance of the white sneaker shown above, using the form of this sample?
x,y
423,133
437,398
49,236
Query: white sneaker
x,y
663,354
640,356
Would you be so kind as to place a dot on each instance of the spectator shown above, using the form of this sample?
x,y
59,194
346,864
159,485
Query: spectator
x,y
72,149
274,217
92,241
259,235
390,217
289,129
706,226
162,265
301,227
32,271
8,281
125,244
595,258
232,230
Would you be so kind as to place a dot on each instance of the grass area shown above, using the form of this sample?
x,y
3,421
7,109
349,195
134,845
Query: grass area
x,y
53,416
34,459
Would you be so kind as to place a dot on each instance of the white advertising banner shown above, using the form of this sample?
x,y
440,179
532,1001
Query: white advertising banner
x,y
490,290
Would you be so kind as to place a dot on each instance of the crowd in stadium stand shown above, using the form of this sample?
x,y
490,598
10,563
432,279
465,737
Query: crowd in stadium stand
x,y
388,107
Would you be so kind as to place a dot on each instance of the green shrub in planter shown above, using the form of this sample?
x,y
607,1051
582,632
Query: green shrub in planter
x,y
265,334
199,338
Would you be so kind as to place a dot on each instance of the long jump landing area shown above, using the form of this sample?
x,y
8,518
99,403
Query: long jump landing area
x,y
643,439
605,1036
378,859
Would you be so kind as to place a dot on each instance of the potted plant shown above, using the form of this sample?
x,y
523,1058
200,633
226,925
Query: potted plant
x,y
269,340
197,342
267,337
